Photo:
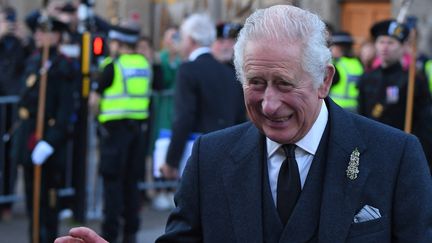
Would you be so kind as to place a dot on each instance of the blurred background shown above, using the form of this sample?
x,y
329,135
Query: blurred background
x,y
154,16
157,20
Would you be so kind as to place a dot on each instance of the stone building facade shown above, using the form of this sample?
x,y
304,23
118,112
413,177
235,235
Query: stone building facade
x,y
156,15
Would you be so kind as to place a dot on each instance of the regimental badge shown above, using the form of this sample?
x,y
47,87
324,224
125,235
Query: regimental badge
x,y
377,110
395,29
23,113
353,165
392,94
31,80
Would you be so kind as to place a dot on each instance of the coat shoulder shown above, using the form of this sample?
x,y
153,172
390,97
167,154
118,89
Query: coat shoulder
x,y
377,131
228,137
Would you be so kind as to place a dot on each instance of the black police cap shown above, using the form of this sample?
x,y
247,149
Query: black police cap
x,y
68,8
45,23
391,28
228,30
124,34
342,37
51,24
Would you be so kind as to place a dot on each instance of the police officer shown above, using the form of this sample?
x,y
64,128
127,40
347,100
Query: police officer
x,y
123,96
50,151
383,91
223,46
348,70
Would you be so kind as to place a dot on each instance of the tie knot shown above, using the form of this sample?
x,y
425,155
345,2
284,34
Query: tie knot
x,y
289,150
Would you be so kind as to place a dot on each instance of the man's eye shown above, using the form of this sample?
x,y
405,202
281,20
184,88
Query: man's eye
x,y
285,84
257,82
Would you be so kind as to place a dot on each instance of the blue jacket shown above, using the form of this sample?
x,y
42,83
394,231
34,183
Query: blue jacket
x,y
220,197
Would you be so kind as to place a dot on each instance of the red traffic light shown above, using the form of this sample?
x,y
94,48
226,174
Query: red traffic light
x,y
98,46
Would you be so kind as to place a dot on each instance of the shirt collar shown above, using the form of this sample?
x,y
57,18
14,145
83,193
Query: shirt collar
x,y
198,52
310,142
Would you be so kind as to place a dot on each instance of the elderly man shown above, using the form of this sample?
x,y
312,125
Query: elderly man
x,y
304,170
207,96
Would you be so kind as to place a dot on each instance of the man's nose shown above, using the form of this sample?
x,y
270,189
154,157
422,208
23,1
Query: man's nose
x,y
271,101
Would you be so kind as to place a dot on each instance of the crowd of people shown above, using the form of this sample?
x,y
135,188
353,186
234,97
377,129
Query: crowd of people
x,y
133,97
276,111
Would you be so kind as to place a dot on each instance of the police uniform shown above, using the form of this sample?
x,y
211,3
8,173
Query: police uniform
x,y
383,92
227,30
124,87
57,121
348,70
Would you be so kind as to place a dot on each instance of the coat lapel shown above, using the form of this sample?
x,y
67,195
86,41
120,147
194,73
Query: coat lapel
x,y
341,194
242,179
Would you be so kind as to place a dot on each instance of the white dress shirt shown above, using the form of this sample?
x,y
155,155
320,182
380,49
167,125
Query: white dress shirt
x,y
198,52
304,153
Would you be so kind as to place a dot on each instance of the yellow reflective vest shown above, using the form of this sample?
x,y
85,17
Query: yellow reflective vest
x,y
107,60
428,71
345,92
128,97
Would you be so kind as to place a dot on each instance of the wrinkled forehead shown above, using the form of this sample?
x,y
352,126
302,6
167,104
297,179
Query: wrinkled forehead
x,y
273,48
272,54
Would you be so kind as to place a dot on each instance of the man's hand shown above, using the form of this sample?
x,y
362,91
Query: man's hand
x,y
81,235
169,172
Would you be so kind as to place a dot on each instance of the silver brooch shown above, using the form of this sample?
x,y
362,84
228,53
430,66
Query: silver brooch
x,y
353,170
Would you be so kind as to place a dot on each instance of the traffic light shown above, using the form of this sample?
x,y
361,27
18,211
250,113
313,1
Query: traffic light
x,y
98,49
98,46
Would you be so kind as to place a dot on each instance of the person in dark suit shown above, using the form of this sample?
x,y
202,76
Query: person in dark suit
x,y
51,151
383,91
207,96
349,179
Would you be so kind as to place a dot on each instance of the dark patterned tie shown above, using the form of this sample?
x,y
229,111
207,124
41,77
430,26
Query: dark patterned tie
x,y
288,184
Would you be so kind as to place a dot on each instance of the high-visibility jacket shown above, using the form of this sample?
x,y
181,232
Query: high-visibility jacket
x,y
428,71
107,60
345,92
128,97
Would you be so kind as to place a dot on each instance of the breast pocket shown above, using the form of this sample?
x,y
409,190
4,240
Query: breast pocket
x,y
370,231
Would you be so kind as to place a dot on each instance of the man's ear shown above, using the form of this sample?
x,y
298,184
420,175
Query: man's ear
x,y
324,88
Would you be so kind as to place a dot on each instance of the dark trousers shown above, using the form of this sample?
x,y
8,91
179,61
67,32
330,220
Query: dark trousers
x,y
122,148
49,206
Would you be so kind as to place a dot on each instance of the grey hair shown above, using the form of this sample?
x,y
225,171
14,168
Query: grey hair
x,y
200,28
287,24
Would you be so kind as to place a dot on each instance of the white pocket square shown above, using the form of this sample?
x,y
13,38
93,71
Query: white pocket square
x,y
367,213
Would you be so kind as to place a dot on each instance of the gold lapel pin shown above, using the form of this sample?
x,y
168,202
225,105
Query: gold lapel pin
x,y
353,170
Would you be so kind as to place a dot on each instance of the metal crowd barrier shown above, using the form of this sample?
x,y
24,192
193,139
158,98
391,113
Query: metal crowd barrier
x,y
8,171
